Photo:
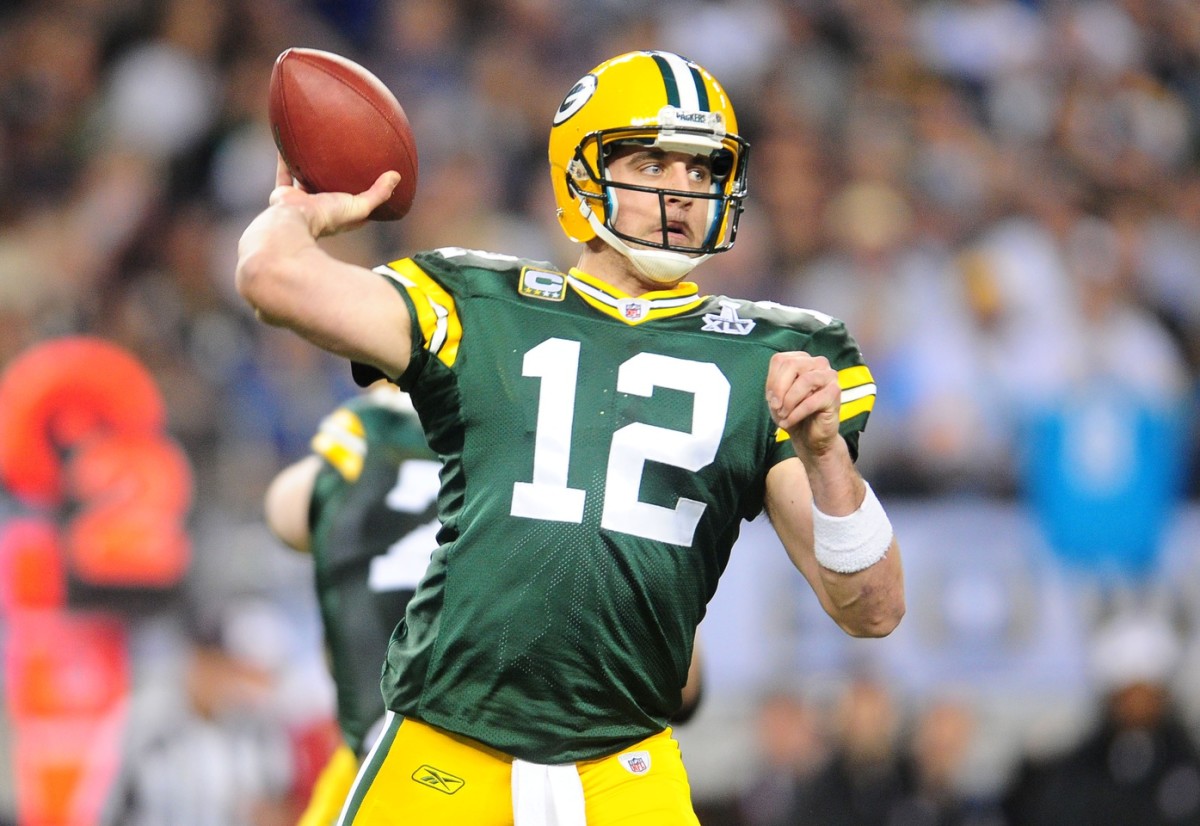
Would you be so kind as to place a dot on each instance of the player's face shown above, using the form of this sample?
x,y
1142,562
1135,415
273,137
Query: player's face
x,y
640,214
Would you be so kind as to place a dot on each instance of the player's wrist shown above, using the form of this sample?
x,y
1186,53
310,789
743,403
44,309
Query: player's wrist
x,y
832,476
851,543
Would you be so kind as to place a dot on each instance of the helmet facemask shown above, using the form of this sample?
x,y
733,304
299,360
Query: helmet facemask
x,y
598,195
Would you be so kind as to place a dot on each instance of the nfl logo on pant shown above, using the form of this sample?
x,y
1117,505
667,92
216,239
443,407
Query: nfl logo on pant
x,y
635,762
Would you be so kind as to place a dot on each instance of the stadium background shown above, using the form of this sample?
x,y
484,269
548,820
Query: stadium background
x,y
1001,197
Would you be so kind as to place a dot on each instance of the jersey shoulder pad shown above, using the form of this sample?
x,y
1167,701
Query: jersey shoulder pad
x,y
383,418
777,325
461,258
461,272
341,440
795,328
782,315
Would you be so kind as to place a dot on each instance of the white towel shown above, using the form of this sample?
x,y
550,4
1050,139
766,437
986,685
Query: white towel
x,y
547,795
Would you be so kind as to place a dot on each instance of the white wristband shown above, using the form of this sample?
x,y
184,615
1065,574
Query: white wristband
x,y
851,543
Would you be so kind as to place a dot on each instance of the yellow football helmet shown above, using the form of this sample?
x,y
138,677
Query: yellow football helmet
x,y
658,99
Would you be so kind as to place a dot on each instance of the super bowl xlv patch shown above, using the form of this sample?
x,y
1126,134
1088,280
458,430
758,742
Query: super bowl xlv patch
x,y
728,322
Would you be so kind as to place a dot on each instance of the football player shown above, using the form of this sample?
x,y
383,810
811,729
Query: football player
x,y
605,430
363,503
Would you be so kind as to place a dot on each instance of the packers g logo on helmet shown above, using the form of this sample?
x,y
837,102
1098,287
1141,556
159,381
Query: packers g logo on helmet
x,y
658,99
580,94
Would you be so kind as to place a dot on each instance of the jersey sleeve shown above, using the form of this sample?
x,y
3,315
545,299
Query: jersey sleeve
x,y
434,284
436,328
432,287
341,441
854,376
834,341
365,375
383,418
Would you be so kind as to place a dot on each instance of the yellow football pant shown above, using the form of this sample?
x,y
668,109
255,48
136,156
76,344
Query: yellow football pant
x,y
418,774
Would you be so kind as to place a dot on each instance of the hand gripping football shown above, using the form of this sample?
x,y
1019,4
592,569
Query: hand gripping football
x,y
339,128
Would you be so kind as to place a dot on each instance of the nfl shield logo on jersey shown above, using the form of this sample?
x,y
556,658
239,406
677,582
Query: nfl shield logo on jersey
x,y
635,762
633,308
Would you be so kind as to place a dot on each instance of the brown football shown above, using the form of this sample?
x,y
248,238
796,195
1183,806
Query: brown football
x,y
339,128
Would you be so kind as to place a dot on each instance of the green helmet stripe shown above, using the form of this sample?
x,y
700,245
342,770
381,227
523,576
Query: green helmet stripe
x,y
684,83
701,89
668,79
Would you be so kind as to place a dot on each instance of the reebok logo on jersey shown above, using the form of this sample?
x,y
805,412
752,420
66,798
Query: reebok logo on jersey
x,y
438,779
544,284
728,321
635,762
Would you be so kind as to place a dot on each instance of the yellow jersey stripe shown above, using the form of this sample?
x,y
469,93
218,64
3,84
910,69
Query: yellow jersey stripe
x,y
341,441
857,407
437,314
854,376
858,391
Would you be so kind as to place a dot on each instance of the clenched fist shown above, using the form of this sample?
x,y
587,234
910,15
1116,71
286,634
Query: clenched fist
x,y
805,400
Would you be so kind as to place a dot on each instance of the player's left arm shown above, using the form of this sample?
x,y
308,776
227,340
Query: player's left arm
x,y
287,500
829,521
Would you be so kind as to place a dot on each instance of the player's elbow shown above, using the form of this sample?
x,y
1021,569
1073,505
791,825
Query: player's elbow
x,y
261,280
880,620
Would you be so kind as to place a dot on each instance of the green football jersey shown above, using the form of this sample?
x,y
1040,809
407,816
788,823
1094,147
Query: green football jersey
x,y
601,453
373,520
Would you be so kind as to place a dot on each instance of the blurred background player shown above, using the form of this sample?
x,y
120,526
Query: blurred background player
x,y
363,503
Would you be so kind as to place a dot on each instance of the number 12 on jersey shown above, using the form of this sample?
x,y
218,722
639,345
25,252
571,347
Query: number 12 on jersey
x,y
556,363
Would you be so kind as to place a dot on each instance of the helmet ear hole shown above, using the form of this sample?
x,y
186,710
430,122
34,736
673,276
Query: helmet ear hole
x,y
722,164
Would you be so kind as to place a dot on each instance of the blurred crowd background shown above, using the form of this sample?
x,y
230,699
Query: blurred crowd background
x,y
1000,197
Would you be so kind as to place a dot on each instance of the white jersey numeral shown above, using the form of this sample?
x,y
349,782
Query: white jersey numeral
x,y
637,443
407,558
556,362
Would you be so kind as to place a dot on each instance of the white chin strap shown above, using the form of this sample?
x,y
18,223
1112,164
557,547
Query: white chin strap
x,y
659,266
